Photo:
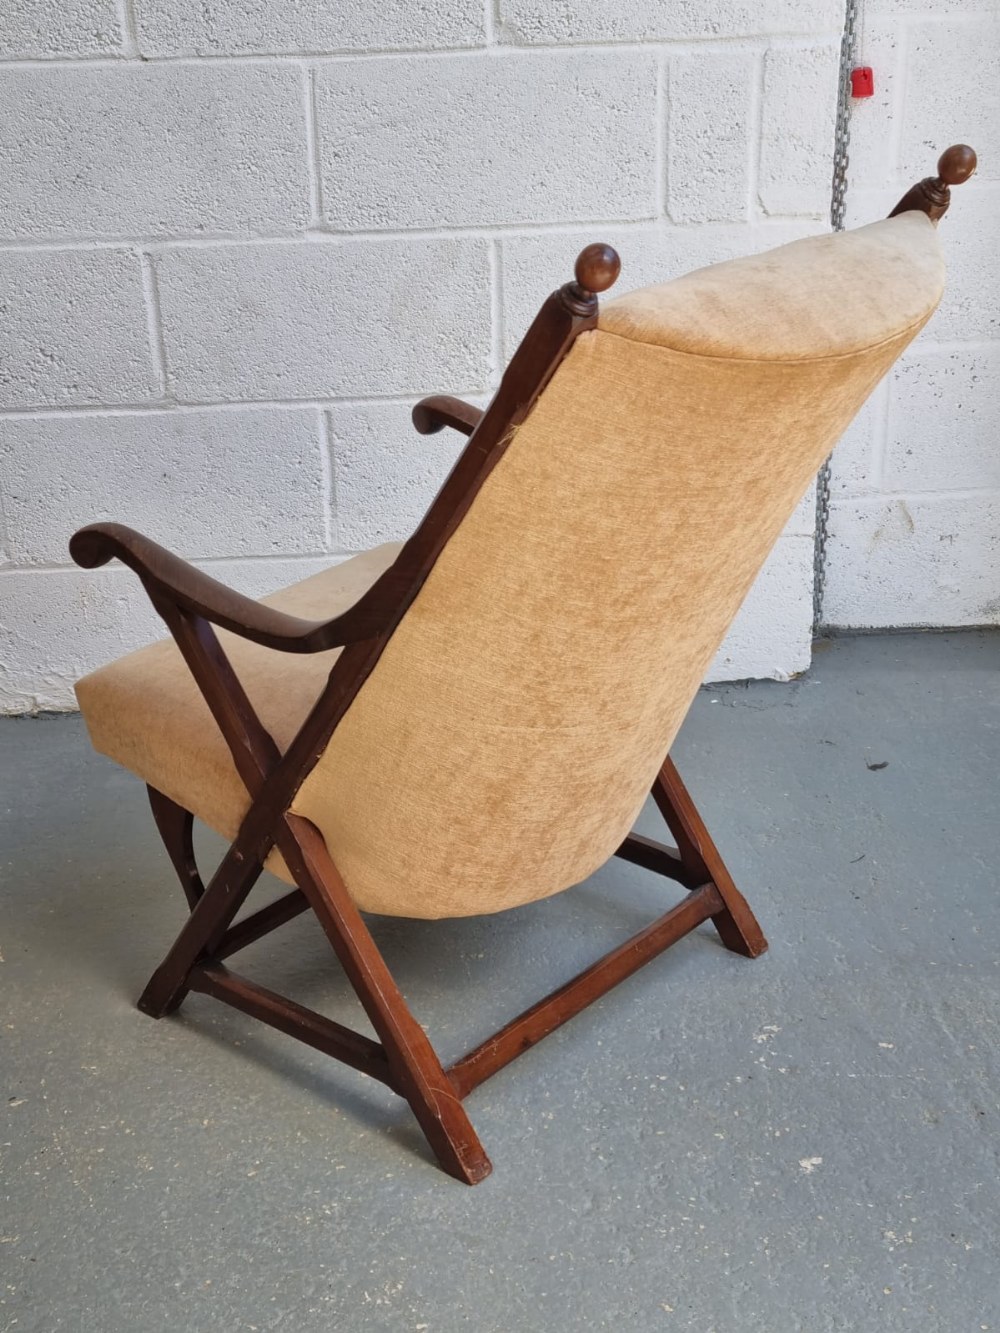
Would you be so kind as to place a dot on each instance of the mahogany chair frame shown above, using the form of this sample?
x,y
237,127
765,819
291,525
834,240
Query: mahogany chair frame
x,y
192,604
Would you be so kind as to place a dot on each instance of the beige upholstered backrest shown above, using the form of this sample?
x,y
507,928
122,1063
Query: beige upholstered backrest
x,y
509,734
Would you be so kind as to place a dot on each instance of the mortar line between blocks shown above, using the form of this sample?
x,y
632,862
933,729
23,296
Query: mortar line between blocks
x,y
500,50
328,236
129,28
883,423
899,99
313,149
337,553
933,494
230,405
496,309
327,475
4,531
754,211
660,137
154,325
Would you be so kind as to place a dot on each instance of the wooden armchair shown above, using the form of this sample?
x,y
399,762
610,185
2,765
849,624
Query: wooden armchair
x,y
472,720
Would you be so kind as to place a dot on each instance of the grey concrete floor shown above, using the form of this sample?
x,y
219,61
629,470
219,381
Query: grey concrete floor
x,y
805,1142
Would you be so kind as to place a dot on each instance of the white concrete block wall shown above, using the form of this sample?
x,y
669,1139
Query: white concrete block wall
x,y
73,330
239,240
915,518
56,471
173,150
40,28
291,320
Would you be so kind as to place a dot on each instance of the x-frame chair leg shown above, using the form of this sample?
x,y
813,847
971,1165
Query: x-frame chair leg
x,y
404,1057
419,1075
736,923
413,1068
210,917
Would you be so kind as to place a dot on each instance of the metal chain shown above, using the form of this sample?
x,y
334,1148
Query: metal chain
x,y
838,206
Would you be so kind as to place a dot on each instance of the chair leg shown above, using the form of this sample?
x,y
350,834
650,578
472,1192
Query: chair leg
x,y
175,825
416,1069
418,1072
736,923
210,918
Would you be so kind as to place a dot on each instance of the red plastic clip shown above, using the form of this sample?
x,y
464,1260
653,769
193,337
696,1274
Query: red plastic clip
x,y
862,81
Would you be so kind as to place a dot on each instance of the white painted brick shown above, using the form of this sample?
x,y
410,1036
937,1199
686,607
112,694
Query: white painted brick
x,y
854,464
56,625
485,139
152,150
864,204
943,421
708,146
543,21
304,319
970,239
870,203
927,557
799,116
44,28
385,474
803,520
258,578
221,27
952,92
781,600
924,8
212,483
533,266
882,46
73,329
918,560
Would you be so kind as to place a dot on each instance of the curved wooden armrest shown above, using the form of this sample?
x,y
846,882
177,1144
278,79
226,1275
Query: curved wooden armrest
x,y
168,578
432,414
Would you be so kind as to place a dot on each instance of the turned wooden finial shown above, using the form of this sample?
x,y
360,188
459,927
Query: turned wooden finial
x,y
956,164
597,268
932,195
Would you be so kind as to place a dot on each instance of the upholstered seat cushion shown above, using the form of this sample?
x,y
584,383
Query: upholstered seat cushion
x,y
145,711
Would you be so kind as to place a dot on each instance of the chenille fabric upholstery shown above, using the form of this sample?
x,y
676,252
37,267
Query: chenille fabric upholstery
x,y
506,739
146,712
